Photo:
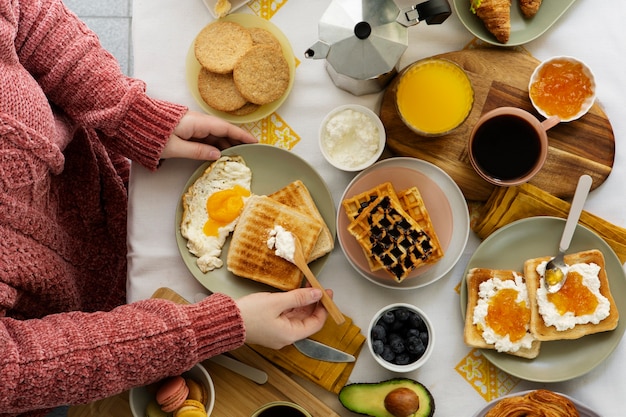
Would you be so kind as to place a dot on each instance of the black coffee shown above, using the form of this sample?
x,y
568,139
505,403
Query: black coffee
x,y
281,411
506,147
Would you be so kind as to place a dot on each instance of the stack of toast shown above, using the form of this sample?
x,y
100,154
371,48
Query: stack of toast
x,y
536,322
291,207
394,229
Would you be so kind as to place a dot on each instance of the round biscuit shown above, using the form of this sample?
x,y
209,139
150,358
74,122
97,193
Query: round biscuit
x,y
262,36
262,74
219,91
220,45
245,110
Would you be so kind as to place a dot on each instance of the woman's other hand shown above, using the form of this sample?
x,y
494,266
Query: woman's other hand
x,y
201,136
278,319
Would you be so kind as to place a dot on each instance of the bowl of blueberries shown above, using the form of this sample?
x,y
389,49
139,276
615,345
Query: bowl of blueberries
x,y
401,337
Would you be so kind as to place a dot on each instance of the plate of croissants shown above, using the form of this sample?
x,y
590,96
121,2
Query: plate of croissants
x,y
509,22
540,402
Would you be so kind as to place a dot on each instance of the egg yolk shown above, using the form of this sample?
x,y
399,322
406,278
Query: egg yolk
x,y
506,316
574,296
223,207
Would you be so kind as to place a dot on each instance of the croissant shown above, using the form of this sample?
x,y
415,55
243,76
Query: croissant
x,y
496,16
529,7
539,403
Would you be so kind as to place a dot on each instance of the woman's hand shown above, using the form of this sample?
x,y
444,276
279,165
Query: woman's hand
x,y
201,136
278,319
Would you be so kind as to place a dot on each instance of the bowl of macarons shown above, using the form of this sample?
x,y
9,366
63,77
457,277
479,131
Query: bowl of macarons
x,y
190,394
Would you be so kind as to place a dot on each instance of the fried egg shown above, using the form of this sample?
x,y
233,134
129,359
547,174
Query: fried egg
x,y
211,208
503,314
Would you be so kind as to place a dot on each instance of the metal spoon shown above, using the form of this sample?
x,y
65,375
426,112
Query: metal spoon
x,y
555,274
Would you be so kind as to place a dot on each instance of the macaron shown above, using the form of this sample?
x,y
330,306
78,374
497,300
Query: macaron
x,y
154,410
172,394
197,391
191,408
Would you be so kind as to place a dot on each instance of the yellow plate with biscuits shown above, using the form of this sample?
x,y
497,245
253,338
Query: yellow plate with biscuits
x,y
194,68
558,360
272,168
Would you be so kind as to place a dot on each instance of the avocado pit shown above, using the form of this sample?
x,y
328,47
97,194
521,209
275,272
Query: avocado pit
x,y
402,402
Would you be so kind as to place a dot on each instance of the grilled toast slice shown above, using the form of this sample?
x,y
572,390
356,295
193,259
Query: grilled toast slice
x,y
472,334
249,255
570,290
296,195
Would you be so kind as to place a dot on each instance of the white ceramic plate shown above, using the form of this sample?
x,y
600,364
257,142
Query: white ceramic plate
x,y
523,30
193,69
560,360
272,168
234,5
445,204
582,409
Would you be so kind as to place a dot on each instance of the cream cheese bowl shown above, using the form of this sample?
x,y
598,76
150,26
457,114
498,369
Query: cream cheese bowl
x,y
140,397
567,64
404,328
352,137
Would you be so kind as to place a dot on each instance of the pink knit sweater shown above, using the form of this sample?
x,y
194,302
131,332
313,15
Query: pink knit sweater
x,y
67,114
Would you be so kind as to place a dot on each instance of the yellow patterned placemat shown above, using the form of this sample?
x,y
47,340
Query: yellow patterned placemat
x,y
273,129
488,380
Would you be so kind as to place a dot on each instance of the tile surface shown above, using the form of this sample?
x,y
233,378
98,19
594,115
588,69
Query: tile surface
x,y
111,20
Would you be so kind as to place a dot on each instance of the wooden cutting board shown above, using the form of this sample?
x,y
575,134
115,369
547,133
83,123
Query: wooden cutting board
x,y
235,395
500,77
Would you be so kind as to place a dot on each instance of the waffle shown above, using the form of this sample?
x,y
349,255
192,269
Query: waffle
x,y
394,239
354,205
412,202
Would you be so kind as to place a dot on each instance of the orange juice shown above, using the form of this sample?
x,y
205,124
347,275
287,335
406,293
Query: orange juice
x,y
434,96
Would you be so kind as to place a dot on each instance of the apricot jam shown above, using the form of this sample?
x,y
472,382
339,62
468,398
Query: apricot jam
x,y
574,297
506,316
561,88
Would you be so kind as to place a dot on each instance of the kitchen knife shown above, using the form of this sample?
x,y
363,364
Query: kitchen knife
x,y
322,352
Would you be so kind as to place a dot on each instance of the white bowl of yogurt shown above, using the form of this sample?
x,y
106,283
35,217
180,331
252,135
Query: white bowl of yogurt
x,y
352,137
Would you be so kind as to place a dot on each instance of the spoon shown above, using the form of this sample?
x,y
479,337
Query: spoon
x,y
555,274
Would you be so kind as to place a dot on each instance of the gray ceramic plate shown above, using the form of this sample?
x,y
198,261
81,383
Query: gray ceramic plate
x,y
272,169
522,30
508,248
582,409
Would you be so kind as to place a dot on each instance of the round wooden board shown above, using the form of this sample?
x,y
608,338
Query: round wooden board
x,y
500,77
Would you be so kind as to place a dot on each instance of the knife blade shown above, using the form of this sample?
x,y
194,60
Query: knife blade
x,y
322,352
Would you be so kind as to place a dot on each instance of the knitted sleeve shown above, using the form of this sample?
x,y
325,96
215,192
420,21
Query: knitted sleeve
x,y
85,81
40,367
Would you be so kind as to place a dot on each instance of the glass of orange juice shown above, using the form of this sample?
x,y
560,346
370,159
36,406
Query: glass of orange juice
x,y
434,96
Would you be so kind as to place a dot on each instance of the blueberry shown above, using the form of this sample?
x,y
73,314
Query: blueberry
x,y
388,317
388,354
412,333
402,359
415,345
397,345
379,333
415,321
424,337
378,347
402,314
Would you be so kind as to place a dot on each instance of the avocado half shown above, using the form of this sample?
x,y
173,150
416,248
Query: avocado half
x,y
369,398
